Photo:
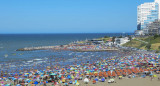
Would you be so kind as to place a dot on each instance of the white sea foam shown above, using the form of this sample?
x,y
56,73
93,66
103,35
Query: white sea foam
x,y
30,61
38,59
6,55
12,66
70,53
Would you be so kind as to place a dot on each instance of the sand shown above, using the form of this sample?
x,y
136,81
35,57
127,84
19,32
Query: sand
x,y
126,82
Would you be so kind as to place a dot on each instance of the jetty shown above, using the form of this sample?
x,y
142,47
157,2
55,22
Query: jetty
x,y
36,48
77,48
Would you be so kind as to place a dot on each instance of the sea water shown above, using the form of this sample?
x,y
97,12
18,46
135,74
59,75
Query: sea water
x,y
10,59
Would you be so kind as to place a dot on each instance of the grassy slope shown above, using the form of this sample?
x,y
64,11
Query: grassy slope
x,y
155,43
134,43
105,39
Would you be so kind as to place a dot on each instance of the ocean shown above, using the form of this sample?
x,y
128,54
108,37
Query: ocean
x,y
11,59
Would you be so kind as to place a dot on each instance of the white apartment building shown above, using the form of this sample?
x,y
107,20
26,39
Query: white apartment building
x,y
147,13
158,1
120,41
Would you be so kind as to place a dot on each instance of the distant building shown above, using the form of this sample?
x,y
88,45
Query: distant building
x,y
158,1
153,28
139,32
147,13
109,43
120,41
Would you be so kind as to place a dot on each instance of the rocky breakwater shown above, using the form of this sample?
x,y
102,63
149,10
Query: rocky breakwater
x,y
36,48
78,48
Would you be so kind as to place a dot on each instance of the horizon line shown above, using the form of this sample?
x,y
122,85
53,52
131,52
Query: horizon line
x,y
69,33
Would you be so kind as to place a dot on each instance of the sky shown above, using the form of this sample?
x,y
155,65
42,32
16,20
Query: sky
x,y
68,16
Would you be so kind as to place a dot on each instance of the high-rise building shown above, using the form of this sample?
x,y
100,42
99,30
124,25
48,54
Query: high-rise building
x,y
158,1
147,13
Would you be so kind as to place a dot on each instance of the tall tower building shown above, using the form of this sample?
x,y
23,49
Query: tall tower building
x,y
147,13
158,1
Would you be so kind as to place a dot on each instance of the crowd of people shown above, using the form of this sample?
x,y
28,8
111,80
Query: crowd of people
x,y
102,70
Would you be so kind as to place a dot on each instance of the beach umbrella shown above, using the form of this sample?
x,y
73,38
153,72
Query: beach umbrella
x,y
143,76
2,82
63,80
70,82
35,83
96,79
154,75
77,84
69,76
103,79
120,76
18,85
151,74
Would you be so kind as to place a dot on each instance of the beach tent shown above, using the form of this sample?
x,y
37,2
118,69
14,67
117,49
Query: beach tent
x,y
86,81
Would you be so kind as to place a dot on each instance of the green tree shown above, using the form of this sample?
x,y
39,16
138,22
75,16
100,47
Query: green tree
x,y
157,51
156,36
120,37
113,39
105,36
148,46
130,38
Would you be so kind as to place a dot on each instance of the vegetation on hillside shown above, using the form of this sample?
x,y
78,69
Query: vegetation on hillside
x,y
147,43
134,43
105,38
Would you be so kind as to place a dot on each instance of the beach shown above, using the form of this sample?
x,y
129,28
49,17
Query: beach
x,y
113,71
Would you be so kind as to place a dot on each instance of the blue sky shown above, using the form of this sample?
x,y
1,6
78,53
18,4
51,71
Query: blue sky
x,y
68,16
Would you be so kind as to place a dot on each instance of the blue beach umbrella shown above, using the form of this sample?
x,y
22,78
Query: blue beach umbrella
x,y
69,77
96,79
35,83
103,79
70,82
29,81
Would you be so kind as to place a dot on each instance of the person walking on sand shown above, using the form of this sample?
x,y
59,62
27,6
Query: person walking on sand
x,y
151,78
